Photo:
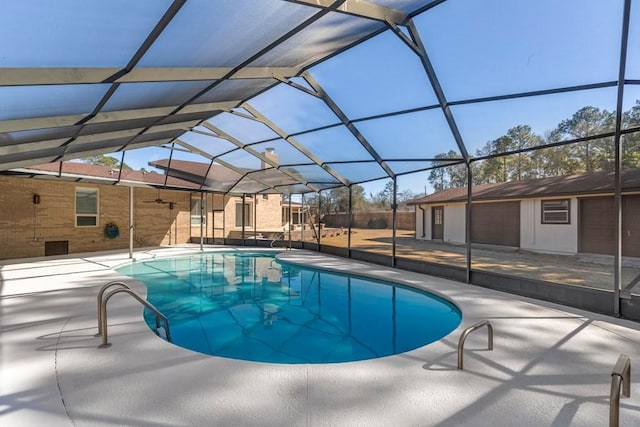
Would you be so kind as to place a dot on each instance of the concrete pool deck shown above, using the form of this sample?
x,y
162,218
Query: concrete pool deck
x,y
550,365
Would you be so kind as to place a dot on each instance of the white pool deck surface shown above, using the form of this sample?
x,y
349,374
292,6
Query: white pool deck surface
x,y
550,366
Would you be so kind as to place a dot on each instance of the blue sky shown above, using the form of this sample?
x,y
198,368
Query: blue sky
x,y
478,49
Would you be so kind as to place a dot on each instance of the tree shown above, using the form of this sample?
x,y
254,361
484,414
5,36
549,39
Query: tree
x,y
522,137
337,199
631,141
514,167
590,121
493,169
405,195
358,198
103,160
445,174
385,197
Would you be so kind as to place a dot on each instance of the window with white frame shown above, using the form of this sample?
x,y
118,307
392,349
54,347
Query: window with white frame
x,y
198,215
556,211
86,207
247,214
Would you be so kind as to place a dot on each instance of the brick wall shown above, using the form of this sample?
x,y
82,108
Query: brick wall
x,y
25,226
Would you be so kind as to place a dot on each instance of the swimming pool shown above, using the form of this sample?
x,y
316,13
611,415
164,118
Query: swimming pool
x,y
250,306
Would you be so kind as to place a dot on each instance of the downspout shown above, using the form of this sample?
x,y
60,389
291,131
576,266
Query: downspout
x,y
424,221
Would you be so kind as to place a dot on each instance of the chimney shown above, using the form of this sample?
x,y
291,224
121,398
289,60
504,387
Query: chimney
x,y
269,153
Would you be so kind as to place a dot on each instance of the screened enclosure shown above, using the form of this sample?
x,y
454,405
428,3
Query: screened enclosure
x,y
355,112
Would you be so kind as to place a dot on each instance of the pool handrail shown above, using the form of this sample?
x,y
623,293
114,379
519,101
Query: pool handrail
x,y
467,331
620,375
102,311
100,295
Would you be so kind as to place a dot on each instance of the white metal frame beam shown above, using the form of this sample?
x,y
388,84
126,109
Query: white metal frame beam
x,y
112,116
347,123
282,134
219,133
68,76
361,8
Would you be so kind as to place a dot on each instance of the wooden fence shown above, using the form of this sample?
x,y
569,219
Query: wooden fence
x,y
383,219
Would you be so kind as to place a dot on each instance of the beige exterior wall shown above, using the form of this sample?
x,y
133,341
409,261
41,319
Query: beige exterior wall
x,y
454,222
25,226
269,212
536,236
223,224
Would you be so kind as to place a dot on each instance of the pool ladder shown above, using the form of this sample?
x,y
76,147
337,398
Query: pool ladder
x,y
102,311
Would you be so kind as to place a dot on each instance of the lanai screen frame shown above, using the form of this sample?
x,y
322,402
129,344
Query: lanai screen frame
x,y
161,131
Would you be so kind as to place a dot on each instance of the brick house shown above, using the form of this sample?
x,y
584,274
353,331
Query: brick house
x,y
67,206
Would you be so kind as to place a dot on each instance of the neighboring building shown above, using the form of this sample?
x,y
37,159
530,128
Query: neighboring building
x,y
265,214
565,214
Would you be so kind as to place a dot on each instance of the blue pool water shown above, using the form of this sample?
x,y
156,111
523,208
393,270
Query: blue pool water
x,y
250,306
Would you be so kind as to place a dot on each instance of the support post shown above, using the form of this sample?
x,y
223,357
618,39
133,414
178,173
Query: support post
x,y
303,221
617,269
201,221
468,221
349,223
319,217
243,217
131,230
394,207
224,219
290,221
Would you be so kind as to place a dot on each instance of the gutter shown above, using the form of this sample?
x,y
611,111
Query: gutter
x,y
423,220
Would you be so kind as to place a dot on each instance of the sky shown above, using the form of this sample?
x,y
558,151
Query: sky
x,y
477,49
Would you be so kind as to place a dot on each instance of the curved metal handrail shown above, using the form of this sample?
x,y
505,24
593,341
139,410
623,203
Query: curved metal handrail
x,y
103,314
100,294
278,237
467,331
620,375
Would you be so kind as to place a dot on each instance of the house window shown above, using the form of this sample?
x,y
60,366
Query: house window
x,y
197,215
556,211
86,207
247,215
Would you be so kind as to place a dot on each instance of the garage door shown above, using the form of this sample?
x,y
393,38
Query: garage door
x,y
597,226
631,226
496,223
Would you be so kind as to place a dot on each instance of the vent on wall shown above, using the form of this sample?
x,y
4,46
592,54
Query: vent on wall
x,y
57,247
